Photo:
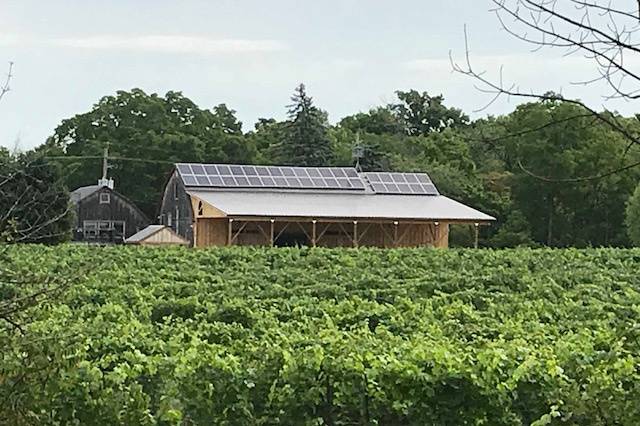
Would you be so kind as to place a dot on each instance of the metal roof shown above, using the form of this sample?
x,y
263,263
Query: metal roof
x,y
238,176
342,204
144,233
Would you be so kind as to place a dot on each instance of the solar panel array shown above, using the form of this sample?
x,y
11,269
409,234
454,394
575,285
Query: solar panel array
x,y
401,183
239,176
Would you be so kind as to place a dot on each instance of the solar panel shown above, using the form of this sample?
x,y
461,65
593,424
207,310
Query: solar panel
x,y
401,183
239,176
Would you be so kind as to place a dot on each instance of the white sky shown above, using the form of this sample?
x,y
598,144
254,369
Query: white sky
x,y
250,54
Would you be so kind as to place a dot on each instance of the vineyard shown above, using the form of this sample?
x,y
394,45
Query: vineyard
x,y
252,336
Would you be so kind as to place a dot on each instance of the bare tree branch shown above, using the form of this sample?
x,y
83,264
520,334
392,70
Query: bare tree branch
x,y
604,34
5,86
600,31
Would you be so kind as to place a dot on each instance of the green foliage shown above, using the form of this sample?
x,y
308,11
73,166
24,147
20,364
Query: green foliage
x,y
422,114
319,336
633,217
34,202
514,233
579,213
158,130
413,114
506,166
305,142
378,121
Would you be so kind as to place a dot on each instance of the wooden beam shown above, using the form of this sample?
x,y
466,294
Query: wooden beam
x,y
194,232
363,231
313,232
436,234
304,231
262,231
385,235
237,234
355,233
230,232
395,233
475,243
271,240
321,234
282,230
305,219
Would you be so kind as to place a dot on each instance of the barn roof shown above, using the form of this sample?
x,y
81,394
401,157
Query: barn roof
x,y
339,205
282,191
145,233
83,192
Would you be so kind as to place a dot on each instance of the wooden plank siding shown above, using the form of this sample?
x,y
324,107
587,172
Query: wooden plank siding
x,y
163,237
107,205
210,232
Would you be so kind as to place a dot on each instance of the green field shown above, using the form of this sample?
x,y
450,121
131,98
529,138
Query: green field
x,y
316,336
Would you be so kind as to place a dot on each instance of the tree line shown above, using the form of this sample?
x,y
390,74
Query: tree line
x,y
544,170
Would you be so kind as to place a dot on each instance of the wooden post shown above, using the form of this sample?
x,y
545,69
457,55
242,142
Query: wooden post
x,y
436,240
271,231
475,243
395,233
194,228
313,232
355,233
230,232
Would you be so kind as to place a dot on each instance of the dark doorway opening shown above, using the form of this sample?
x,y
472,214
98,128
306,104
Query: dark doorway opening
x,y
291,239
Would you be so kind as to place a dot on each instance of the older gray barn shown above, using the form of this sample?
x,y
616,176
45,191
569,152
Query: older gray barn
x,y
218,204
105,216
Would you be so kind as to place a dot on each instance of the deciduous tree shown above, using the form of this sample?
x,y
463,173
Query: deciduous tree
x,y
146,134
632,219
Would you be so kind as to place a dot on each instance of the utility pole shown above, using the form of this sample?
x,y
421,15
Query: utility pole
x,y
105,163
358,152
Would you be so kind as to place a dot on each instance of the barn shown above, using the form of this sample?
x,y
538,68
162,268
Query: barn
x,y
221,204
103,215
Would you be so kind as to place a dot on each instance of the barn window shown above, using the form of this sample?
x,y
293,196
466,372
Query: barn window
x,y
105,198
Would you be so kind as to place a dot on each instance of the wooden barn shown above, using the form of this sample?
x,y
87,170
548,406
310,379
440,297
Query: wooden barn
x,y
105,216
219,204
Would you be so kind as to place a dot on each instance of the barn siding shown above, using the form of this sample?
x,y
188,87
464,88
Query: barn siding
x,y
177,204
118,208
163,237
211,232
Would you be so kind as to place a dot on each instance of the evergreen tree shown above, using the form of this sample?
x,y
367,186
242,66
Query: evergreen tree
x,y
306,141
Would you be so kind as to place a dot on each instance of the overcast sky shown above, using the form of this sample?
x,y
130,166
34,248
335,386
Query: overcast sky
x,y
250,54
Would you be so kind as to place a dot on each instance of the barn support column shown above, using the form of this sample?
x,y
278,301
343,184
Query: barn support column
x,y
230,232
395,233
355,233
313,232
437,236
475,242
194,227
271,231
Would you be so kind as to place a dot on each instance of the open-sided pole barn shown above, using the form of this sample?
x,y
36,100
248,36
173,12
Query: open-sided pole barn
x,y
216,205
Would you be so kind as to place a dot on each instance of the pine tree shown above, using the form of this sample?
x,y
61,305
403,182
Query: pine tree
x,y
306,142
